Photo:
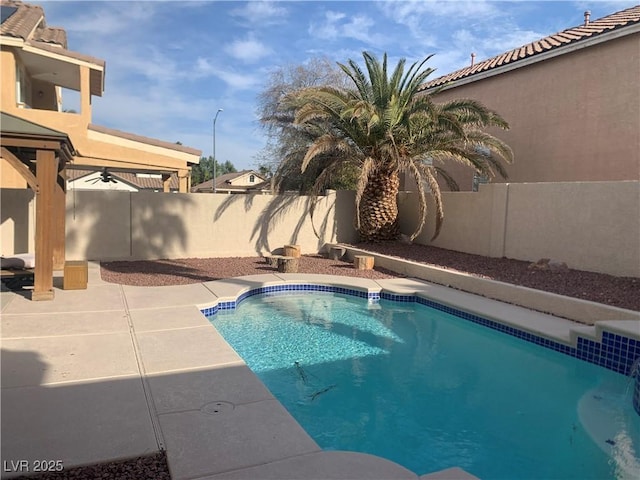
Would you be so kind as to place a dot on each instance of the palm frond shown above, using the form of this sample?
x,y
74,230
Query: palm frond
x,y
437,198
452,185
417,173
381,122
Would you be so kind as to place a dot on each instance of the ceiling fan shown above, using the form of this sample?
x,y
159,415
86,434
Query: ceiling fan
x,y
105,176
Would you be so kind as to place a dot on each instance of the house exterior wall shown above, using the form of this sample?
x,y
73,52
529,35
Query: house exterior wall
x,y
574,117
244,180
97,148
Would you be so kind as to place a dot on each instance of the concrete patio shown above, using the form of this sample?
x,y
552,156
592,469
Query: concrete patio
x,y
115,372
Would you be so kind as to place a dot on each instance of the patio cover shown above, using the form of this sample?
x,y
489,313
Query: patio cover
x,y
40,155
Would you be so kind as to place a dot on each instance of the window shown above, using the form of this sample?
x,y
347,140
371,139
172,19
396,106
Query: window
x,y
6,11
21,86
252,178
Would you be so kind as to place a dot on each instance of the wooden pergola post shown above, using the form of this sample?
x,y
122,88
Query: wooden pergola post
x,y
59,214
22,143
46,174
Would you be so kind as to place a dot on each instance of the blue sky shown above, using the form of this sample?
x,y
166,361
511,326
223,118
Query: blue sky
x,y
172,65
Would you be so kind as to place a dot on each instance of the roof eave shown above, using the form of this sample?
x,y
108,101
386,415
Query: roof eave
x,y
579,45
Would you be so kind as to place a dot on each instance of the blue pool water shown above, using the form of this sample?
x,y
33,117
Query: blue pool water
x,y
429,390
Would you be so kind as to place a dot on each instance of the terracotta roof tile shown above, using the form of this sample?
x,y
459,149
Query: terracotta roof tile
x,y
54,35
141,139
23,21
617,20
67,53
28,23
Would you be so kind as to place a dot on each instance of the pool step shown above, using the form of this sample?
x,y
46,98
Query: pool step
x,y
455,473
585,331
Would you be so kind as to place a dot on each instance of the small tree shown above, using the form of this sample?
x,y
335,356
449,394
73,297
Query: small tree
x,y
287,144
204,170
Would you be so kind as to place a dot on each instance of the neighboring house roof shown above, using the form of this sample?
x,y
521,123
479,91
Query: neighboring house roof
x,y
139,182
558,41
141,139
27,22
227,182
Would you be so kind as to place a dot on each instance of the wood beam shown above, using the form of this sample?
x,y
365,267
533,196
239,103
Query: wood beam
x,y
21,168
41,144
46,174
59,215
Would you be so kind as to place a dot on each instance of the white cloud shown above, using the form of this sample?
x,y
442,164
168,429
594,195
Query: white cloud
x,y
414,11
510,40
248,50
109,18
233,79
261,12
238,81
336,25
421,18
328,29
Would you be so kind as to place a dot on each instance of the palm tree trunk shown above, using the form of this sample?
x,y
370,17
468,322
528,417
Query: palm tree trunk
x,y
379,207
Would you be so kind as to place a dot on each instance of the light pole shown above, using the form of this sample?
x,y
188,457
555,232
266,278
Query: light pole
x,y
215,190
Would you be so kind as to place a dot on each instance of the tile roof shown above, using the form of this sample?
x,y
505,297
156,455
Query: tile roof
x,y
223,183
28,23
142,183
141,139
570,36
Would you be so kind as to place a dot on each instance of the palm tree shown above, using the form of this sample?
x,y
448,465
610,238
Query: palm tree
x,y
383,124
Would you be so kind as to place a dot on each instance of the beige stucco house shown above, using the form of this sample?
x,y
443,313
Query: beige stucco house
x,y
35,65
572,100
246,181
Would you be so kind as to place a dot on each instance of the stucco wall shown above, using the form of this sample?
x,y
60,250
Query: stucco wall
x,y
575,117
143,225
17,221
92,147
592,226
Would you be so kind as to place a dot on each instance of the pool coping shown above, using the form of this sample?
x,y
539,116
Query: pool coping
x,y
576,309
177,366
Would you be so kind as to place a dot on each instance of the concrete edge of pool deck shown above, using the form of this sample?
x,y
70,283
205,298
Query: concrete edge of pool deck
x,y
583,311
115,372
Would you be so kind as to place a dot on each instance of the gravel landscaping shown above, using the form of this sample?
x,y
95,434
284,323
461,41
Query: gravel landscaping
x,y
621,292
151,467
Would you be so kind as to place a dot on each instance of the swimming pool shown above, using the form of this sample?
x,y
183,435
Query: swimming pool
x,y
430,390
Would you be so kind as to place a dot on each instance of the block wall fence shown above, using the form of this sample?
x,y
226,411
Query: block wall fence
x,y
592,226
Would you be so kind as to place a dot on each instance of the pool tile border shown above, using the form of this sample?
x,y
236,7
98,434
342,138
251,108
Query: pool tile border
x,y
614,352
286,288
